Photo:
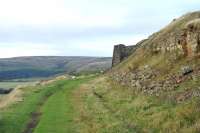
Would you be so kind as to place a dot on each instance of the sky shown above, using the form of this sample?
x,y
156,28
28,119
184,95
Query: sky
x,y
82,27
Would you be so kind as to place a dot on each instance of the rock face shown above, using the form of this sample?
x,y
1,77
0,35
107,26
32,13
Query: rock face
x,y
160,63
191,40
183,41
180,38
120,53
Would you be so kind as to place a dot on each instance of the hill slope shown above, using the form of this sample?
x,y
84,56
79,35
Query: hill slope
x,y
160,82
162,61
23,67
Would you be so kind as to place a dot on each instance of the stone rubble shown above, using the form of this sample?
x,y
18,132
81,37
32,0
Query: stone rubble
x,y
144,81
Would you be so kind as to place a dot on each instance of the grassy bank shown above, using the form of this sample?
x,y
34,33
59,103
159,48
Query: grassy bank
x,y
106,107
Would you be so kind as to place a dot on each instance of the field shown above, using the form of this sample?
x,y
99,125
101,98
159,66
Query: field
x,y
19,82
11,84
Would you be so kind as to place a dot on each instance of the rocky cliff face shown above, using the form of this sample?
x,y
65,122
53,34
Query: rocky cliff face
x,y
186,41
182,37
165,62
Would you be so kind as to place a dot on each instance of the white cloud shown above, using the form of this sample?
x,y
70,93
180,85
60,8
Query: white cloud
x,y
26,49
81,27
92,47
101,46
77,13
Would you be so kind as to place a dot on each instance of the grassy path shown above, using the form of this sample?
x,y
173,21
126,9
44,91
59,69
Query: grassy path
x,y
50,104
58,112
15,118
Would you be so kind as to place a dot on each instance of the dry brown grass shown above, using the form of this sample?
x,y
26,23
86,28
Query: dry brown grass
x,y
14,96
193,24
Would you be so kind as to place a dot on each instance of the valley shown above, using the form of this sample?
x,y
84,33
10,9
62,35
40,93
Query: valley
x,y
49,66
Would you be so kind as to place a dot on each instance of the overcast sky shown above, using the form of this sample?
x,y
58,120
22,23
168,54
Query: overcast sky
x,y
82,27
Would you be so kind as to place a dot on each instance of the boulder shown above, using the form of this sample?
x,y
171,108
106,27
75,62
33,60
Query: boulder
x,y
186,70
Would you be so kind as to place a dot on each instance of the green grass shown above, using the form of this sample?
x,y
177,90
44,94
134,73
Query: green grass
x,y
15,118
58,111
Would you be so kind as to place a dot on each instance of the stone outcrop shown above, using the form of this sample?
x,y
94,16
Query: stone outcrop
x,y
120,53
143,80
184,41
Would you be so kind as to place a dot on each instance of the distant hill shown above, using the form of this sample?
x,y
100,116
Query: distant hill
x,y
44,66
